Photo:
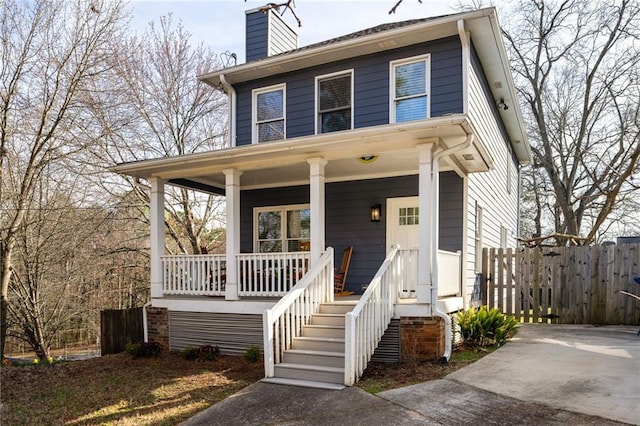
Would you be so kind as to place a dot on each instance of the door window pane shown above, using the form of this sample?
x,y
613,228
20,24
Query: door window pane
x,y
408,216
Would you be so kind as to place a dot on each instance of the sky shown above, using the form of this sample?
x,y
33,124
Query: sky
x,y
220,23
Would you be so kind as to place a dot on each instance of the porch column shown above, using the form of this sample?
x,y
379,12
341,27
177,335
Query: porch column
x,y
232,193
156,219
425,244
317,207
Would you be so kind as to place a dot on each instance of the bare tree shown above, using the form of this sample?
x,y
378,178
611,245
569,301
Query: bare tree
x,y
165,111
50,50
576,64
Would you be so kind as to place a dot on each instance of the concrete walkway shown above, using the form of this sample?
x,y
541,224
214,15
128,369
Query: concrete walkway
x,y
548,374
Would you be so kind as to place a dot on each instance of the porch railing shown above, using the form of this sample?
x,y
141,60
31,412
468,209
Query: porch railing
x,y
285,320
367,322
449,273
198,275
270,274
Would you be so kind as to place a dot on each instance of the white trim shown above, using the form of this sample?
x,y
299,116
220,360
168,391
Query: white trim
x,y
318,78
232,197
465,243
254,110
466,63
283,225
426,58
157,234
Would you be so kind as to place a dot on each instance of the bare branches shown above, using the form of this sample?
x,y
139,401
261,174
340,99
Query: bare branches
x,y
395,6
575,64
287,5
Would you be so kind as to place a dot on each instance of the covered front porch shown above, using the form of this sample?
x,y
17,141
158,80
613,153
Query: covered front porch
x,y
272,275
285,276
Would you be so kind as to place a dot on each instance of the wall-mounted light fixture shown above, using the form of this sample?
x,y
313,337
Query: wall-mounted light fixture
x,y
376,212
502,105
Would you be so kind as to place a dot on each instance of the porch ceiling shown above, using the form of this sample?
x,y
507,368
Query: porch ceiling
x,y
284,163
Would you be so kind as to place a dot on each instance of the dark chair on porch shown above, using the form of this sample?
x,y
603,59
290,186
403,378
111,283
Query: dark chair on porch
x,y
340,278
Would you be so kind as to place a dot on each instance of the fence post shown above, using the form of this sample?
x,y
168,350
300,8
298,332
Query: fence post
x,y
484,294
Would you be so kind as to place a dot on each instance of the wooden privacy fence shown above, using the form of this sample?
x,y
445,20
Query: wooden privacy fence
x,y
119,327
567,285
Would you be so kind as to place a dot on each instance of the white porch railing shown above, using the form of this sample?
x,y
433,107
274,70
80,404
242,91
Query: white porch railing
x,y
284,321
367,322
198,275
449,273
270,274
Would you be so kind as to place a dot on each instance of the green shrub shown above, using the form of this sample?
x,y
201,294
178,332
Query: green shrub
x,y
252,354
144,349
190,353
484,328
208,352
132,348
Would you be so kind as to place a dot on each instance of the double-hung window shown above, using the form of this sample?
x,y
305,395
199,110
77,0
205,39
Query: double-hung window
x,y
410,89
268,113
334,103
282,228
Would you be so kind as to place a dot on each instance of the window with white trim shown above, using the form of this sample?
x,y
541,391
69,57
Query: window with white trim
x,y
282,228
269,113
504,236
410,89
334,102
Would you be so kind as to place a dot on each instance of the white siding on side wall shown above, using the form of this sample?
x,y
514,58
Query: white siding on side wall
x,y
489,190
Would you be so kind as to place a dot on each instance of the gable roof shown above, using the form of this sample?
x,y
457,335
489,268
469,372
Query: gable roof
x,y
482,25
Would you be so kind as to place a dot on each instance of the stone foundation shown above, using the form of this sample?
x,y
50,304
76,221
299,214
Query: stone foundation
x,y
421,338
158,325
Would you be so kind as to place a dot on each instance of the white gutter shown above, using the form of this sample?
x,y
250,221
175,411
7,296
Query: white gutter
x,y
435,182
145,327
232,107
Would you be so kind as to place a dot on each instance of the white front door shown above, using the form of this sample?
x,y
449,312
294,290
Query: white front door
x,y
402,229
402,222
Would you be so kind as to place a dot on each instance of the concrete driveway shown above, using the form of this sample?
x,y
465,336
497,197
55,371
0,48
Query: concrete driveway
x,y
548,374
578,368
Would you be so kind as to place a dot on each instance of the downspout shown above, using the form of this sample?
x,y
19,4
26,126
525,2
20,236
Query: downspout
x,y
435,219
145,327
232,107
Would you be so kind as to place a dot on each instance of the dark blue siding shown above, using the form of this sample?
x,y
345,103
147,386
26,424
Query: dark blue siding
x,y
256,30
371,88
347,217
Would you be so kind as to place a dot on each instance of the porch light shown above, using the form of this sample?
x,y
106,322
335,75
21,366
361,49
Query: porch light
x,y
376,212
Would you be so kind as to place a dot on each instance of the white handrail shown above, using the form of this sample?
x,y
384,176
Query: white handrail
x,y
449,272
199,275
367,322
284,321
270,274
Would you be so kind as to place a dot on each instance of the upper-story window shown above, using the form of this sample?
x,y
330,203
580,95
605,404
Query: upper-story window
x,y
334,103
410,89
269,113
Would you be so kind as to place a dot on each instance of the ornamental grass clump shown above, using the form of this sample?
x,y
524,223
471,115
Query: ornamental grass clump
x,y
485,328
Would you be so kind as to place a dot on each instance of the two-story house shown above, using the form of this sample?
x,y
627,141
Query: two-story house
x,y
403,141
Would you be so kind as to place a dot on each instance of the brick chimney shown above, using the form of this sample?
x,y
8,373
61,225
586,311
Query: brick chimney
x,y
267,34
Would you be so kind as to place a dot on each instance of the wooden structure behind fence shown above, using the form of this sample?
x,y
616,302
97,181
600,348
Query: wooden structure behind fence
x,y
567,285
119,327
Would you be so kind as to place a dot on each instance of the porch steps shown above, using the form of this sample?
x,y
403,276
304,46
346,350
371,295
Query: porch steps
x,y
304,383
317,356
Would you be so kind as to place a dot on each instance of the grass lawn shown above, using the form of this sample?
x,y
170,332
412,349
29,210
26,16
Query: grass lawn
x,y
119,390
